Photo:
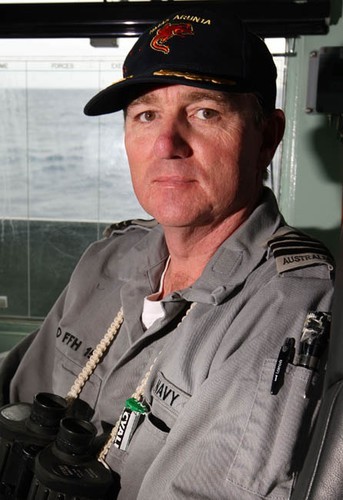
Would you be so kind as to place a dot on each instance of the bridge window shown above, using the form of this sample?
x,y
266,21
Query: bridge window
x,y
63,176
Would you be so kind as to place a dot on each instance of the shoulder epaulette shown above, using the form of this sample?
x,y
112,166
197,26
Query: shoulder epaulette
x,y
294,250
126,224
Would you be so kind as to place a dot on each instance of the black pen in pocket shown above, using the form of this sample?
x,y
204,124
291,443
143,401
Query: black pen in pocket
x,y
286,356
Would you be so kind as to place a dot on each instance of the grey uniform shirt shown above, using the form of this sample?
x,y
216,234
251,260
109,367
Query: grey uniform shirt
x,y
214,431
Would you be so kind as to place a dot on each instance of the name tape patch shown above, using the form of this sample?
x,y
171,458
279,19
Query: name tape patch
x,y
168,394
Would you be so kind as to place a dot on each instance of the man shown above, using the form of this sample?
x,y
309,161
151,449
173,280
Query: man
x,y
206,295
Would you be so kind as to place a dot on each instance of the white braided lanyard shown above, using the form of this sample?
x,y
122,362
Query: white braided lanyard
x,y
96,356
93,362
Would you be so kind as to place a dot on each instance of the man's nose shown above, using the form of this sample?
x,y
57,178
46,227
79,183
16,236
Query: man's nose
x,y
172,142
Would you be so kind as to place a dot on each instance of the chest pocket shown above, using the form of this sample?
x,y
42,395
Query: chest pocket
x,y
64,375
267,444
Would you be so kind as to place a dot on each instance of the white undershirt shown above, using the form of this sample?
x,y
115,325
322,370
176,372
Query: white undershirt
x,y
153,307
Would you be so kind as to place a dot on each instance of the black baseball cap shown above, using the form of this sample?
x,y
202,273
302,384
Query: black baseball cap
x,y
200,47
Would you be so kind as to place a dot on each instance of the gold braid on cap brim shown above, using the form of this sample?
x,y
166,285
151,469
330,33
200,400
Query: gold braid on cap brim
x,y
186,76
195,77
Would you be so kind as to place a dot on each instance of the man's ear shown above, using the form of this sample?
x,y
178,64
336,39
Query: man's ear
x,y
273,130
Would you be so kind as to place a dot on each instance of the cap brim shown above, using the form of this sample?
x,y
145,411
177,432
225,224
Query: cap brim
x,y
120,94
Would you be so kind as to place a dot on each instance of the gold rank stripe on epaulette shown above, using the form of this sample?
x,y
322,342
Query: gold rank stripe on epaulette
x,y
293,250
125,224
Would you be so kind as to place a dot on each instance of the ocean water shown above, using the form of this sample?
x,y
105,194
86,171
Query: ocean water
x,y
56,163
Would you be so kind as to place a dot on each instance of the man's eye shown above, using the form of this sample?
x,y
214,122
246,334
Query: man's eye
x,y
147,116
206,113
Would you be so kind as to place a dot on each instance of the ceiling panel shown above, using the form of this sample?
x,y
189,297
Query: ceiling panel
x,y
125,18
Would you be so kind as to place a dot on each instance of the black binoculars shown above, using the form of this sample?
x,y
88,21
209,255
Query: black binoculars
x,y
47,455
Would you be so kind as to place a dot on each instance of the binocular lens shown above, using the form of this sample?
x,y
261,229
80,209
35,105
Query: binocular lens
x,y
67,470
75,436
24,430
45,455
47,411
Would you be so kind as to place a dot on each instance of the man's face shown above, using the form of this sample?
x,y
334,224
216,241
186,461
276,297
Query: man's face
x,y
196,156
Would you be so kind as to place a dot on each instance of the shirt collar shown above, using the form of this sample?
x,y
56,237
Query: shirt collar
x,y
235,259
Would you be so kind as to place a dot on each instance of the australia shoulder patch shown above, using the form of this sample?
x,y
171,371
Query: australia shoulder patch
x,y
120,227
293,249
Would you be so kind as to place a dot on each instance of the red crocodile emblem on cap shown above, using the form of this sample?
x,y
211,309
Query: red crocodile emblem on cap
x,y
166,32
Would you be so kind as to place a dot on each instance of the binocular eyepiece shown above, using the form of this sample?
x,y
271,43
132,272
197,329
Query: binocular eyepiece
x,y
47,455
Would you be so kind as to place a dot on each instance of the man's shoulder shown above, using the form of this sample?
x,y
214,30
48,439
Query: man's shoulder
x,y
120,237
122,245
293,249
